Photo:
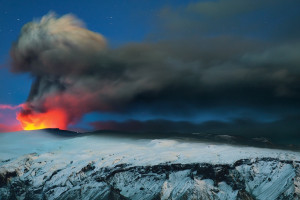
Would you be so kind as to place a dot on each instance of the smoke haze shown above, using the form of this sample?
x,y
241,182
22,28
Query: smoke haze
x,y
76,72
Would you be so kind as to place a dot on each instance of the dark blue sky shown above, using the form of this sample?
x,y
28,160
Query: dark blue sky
x,y
258,33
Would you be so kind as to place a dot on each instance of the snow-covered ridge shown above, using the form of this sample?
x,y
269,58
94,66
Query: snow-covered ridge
x,y
38,166
33,177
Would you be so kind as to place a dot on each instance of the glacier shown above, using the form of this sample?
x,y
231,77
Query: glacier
x,y
39,165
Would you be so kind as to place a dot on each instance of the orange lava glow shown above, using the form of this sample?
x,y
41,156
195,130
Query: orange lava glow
x,y
55,118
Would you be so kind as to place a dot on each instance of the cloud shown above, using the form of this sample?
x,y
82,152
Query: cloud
x,y
9,107
267,19
9,128
227,8
77,72
55,46
283,131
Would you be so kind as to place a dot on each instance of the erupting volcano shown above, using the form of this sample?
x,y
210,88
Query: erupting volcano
x,y
196,99
31,120
194,83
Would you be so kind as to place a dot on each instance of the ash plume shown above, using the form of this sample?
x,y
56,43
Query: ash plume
x,y
76,71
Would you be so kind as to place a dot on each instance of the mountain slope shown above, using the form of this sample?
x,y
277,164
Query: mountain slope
x,y
118,168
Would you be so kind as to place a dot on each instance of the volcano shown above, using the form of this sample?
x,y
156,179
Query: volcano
x,y
171,100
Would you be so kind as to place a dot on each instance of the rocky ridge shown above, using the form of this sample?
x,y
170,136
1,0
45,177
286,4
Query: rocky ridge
x,y
34,177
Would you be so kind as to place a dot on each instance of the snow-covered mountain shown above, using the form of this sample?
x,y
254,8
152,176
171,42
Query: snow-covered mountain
x,y
38,165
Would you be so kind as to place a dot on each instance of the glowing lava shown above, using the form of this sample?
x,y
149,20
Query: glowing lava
x,y
55,118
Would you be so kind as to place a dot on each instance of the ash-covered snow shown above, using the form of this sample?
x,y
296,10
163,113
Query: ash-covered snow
x,y
38,165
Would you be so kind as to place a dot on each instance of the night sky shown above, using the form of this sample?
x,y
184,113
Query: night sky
x,y
140,65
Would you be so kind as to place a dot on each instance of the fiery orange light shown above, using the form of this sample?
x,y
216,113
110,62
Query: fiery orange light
x,y
55,118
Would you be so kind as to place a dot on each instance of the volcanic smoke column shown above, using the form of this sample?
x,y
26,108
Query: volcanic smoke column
x,y
75,73
55,51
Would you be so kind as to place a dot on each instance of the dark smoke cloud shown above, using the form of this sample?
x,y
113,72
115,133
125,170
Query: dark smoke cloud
x,y
268,19
247,128
75,70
